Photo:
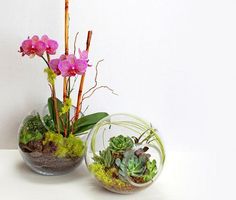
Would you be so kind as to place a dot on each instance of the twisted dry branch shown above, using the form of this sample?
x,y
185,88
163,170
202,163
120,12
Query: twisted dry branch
x,y
97,88
96,76
93,89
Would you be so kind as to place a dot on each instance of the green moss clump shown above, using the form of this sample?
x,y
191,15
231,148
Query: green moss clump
x,y
106,176
65,147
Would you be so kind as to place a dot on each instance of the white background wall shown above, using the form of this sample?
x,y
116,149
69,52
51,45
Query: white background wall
x,y
172,62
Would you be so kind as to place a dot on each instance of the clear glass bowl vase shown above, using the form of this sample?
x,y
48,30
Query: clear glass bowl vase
x,y
48,152
124,153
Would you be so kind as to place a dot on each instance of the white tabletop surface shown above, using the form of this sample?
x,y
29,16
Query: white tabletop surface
x,y
185,176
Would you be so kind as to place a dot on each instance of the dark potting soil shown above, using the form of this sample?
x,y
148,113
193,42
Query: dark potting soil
x,y
41,159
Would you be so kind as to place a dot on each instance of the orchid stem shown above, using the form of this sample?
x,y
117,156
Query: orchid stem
x,y
45,61
54,97
55,108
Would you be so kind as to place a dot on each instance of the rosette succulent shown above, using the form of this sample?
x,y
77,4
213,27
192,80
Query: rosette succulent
x,y
151,171
120,144
131,165
136,166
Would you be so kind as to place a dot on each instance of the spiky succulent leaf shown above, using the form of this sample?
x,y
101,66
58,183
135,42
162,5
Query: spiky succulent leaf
x,y
151,171
120,143
49,122
105,158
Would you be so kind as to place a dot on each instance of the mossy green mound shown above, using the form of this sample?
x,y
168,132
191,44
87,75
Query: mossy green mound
x,y
65,147
106,176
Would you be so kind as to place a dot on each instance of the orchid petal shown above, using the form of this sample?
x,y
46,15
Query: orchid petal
x,y
26,47
83,54
54,66
52,46
40,48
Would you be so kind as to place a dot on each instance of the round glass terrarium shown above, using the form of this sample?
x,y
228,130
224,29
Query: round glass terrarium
x,y
124,153
46,151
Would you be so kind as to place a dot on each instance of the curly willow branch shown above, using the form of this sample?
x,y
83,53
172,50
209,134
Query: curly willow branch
x,y
95,88
96,76
103,86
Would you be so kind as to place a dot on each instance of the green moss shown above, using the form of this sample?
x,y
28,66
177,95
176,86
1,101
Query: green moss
x,y
65,147
75,146
51,75
105,176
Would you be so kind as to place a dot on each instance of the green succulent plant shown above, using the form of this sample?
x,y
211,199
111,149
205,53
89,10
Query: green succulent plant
x,y
120,143
32,129
26,137
131,165
49,122
33,124
105,158
151,171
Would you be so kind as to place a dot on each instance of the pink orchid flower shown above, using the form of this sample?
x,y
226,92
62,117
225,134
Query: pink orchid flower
x,y
83,54
54,66
51,45
33,46
69,65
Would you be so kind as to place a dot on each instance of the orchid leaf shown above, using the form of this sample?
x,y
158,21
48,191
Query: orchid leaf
x,y
53,114
87,122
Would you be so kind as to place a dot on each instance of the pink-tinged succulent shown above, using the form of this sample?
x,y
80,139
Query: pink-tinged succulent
x,y
51,45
